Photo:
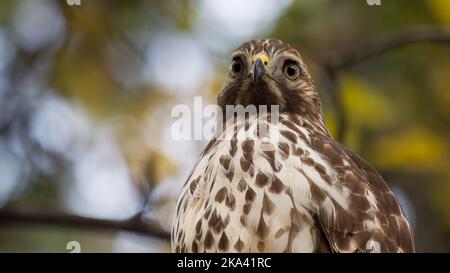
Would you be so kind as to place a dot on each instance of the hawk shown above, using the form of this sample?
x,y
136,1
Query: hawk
x,y
300,192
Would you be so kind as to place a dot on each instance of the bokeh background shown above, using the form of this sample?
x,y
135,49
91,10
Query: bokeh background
x,y
86,94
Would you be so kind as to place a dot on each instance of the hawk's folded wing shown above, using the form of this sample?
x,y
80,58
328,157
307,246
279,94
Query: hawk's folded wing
x,y
373,220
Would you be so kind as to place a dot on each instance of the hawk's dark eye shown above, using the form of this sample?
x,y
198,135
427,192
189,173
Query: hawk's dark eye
x,y
291,70
236,66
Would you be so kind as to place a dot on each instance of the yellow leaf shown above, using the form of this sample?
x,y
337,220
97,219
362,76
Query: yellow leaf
x,y
365,104
413,149
441,9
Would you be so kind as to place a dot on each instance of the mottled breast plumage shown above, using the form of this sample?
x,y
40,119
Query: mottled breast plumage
x,y
260,195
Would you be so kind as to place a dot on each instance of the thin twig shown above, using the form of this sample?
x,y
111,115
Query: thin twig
x,y
368,50
30,215
380,45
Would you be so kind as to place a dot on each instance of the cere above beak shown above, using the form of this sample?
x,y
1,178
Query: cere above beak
x,y
259,70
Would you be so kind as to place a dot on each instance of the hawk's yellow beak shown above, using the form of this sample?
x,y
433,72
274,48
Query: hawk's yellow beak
x,y
259,62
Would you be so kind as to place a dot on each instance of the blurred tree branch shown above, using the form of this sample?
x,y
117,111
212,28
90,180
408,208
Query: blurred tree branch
x,y
366,50
32,215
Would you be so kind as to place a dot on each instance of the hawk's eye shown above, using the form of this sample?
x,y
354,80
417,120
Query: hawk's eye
x,y
236,66
291,70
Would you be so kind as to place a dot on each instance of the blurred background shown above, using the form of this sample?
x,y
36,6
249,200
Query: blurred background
x,y
86,93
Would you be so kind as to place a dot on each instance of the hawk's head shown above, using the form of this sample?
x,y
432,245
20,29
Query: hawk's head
x,y
270,72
